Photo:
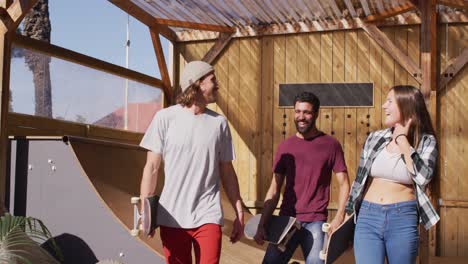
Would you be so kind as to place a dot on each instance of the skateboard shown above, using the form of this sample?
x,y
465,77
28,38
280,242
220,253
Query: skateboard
x,y
148,218
279,229
338,242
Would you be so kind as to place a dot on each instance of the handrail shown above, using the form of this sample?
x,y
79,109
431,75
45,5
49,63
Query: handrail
x,y
36,126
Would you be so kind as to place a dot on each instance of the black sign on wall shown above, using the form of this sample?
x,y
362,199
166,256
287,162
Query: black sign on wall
x,y
330,94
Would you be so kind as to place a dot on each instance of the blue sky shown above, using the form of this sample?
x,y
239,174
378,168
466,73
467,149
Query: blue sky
x,y
97,29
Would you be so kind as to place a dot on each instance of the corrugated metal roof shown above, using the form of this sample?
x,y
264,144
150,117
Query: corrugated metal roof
x,y
243,13
314,15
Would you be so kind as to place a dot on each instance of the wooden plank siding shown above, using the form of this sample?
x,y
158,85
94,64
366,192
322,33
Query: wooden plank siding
x,y
363,75
249,74
350,141
453,144
280,116
326,114
338,114
266,112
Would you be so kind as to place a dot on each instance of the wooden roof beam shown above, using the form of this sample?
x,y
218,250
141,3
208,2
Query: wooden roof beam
x,y
168,33
455,66
5,3
220,45
144,17
158,50
380,38
391,12
454,3
194,25
14,13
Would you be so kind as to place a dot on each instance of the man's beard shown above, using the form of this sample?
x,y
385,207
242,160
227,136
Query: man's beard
x,y
305,129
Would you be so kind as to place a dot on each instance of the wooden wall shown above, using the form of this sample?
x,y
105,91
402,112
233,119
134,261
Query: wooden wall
x,y
453,142
250,70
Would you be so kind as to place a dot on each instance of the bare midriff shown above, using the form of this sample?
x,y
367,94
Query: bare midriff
x,y
387,192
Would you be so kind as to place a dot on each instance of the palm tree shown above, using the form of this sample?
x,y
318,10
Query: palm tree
x,y
18,241
37,26
15,53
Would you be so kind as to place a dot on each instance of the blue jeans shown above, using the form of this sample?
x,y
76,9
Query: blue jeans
x,y
310,238
389,230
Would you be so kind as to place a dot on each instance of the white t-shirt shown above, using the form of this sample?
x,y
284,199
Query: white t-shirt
x,y
192,147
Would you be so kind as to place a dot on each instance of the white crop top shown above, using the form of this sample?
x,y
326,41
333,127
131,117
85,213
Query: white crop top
x,y
391,167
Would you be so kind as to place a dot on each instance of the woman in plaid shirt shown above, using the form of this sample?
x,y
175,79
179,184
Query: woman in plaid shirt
x,y
396,165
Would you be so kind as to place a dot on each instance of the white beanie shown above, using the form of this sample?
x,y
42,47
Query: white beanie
x,y
192,72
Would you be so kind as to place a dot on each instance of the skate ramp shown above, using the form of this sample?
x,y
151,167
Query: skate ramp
x,y
83,187
58,192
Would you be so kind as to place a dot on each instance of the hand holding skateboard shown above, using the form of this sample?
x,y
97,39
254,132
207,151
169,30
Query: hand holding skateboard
x,y
278,231
338,241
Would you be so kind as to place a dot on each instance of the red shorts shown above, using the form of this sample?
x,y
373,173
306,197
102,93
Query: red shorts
x,y
177,244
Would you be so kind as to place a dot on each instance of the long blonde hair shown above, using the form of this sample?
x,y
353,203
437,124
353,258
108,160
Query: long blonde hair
x,y
411,104
187,97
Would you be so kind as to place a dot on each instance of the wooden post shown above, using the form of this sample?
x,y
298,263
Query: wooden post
x,y
429,89
9,21
428,46
5,45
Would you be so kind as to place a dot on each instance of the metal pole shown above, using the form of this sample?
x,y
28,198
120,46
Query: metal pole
x,y
127,46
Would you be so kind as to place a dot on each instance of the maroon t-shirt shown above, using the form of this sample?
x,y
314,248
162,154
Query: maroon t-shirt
x,y
307,165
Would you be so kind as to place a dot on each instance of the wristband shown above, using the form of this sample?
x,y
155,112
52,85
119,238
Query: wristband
x,y
396,142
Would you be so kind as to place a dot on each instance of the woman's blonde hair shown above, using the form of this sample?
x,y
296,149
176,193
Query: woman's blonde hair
x,y
411,104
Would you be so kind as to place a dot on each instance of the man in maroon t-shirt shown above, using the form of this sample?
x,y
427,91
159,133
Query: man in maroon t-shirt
x,y
306,160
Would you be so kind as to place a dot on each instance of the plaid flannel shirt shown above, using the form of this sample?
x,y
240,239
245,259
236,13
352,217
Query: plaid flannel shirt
x,y
424,163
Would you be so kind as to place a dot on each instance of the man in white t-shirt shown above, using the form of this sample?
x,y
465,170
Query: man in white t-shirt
x,y
196,146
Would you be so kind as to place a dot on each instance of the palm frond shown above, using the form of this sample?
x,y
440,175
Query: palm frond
x,y
19,237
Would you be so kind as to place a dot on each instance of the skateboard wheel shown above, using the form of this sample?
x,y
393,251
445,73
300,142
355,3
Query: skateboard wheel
x,y
322,255
135,200
135,232
325,227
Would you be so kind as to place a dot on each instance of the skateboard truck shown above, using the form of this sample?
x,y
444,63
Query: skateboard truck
x,y
136,217
282,245
323,252
147,218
